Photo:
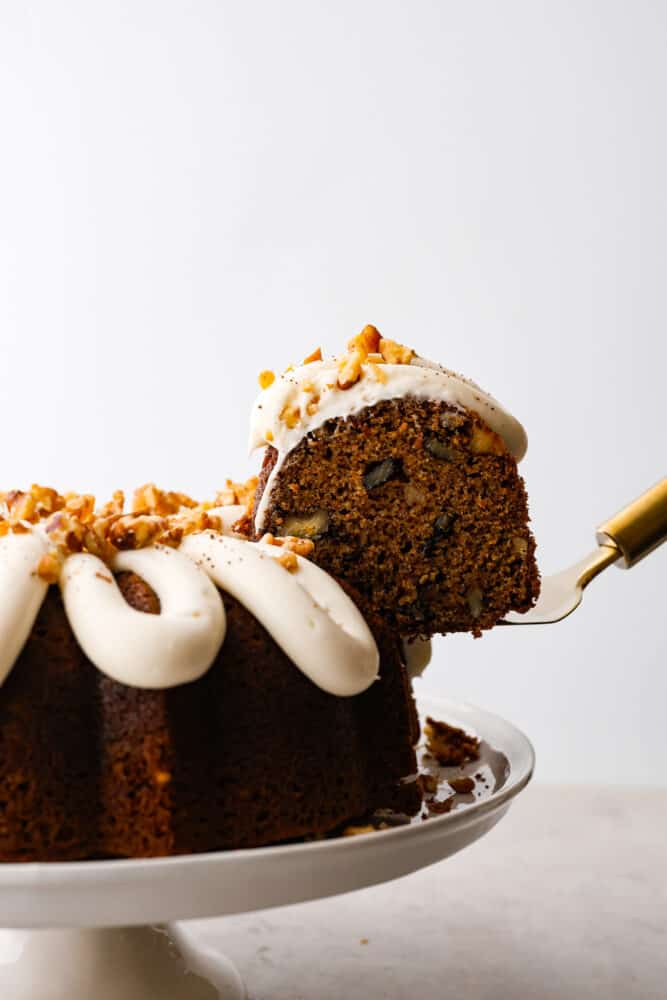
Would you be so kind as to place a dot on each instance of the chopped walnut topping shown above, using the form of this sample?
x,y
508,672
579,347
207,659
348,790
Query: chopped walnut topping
x,y
349,369
148,499
300,546
367,341
38,502
315,355
114,506
313,405
266,378
46,500
269,539
237,494
290,415
72,524
50,565
21,506
81,507
368,347
359,348
395,354
136,531
288,561
377,372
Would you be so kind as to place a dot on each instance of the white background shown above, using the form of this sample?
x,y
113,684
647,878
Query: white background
x,y
190,192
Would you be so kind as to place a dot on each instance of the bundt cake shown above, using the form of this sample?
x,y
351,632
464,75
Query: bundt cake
x,y
182,677
170,687
405,475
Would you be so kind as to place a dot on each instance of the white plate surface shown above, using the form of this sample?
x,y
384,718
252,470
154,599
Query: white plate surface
x,y
121,893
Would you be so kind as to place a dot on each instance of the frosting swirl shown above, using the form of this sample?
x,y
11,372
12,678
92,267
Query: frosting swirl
x,y
307,613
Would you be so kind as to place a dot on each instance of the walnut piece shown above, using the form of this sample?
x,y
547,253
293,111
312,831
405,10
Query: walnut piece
x,y
148,499
72,524
367,341
265,379
311,524
486,442
395,354
299,546
290,415
50,565
315,355
289,561
349,369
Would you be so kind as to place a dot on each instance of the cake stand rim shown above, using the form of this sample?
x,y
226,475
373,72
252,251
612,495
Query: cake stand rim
x,y
400,849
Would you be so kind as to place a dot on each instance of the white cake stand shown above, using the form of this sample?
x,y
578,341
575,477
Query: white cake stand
x,y
95,930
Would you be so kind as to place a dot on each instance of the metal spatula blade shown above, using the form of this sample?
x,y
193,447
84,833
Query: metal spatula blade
x,y
623,539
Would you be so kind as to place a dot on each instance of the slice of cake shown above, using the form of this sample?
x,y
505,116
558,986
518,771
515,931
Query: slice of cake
x,y
405,475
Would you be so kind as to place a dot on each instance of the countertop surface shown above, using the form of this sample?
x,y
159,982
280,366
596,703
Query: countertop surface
x,y
566,897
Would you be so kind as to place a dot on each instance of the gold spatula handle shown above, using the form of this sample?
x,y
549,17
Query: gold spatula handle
x,y
638,528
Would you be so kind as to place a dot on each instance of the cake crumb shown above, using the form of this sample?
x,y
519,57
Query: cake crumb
x,y
463,785
448,744
438,807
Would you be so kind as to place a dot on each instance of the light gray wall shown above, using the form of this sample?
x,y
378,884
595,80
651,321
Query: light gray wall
x,y
192,192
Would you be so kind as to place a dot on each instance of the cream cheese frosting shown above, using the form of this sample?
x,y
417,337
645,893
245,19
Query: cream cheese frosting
x,y
160,651
312,395
306,612
21,593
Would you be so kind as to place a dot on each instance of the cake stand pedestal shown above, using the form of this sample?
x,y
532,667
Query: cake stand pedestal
x,y
121,963
95,930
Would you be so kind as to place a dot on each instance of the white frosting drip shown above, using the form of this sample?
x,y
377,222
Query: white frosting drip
x,y
308,614
146,651
316,383
21,594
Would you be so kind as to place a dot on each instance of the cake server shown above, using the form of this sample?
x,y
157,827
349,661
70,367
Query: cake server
x,y
624,539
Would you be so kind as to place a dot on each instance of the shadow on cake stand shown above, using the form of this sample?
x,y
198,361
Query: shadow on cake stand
x,y
97,929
